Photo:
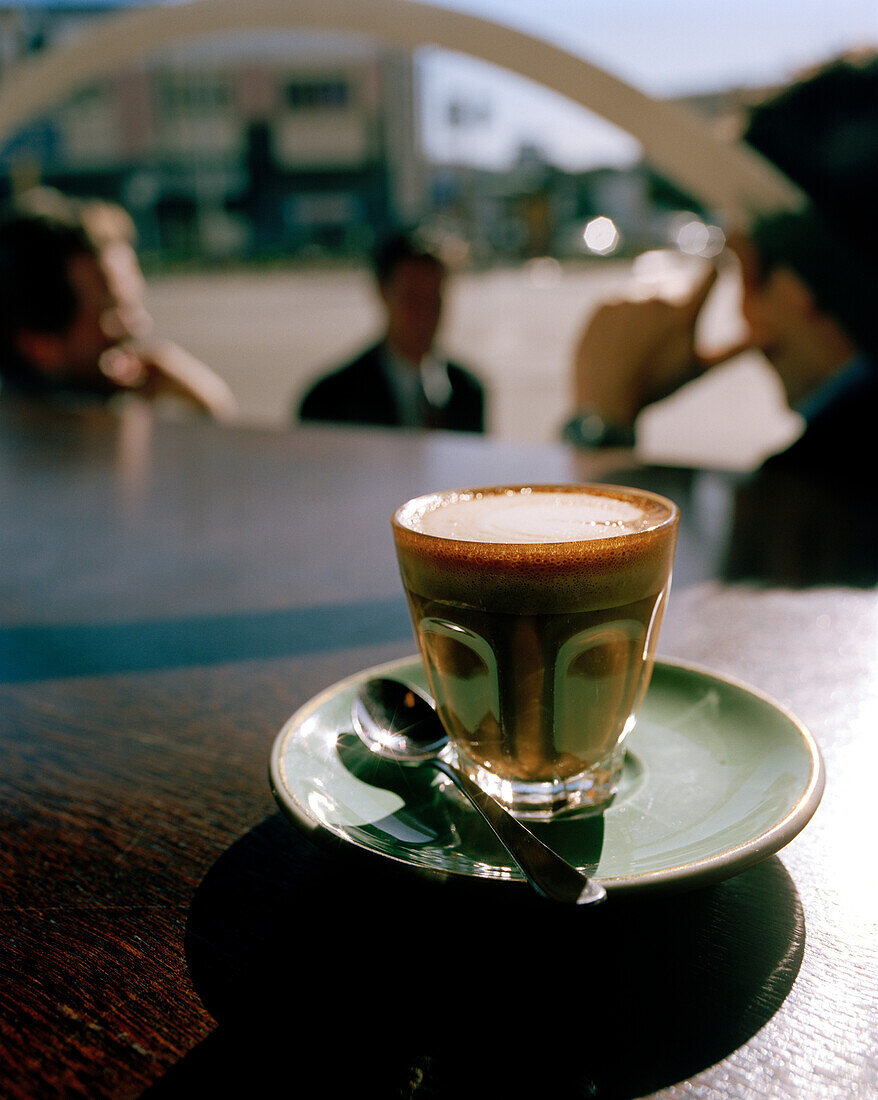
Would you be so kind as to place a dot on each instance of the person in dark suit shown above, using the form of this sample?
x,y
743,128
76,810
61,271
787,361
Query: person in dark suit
x,y
402,381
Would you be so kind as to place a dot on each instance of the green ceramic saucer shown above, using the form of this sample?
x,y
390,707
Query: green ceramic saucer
x,y
717,778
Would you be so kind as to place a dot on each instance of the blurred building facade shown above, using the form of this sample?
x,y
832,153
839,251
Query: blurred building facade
x,y
262,146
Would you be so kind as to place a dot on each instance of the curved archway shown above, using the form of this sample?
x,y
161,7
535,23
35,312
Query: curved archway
x,y
728,176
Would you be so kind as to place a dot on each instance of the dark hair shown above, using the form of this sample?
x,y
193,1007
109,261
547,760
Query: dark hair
x,y
822,132
35,291
399,246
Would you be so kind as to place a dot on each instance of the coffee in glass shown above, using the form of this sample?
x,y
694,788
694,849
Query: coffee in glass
x,y
537,610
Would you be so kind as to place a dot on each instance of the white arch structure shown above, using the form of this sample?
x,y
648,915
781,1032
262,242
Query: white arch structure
x,y
729,176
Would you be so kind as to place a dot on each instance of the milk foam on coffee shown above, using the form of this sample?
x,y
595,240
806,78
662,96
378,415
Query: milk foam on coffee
x,y
525,516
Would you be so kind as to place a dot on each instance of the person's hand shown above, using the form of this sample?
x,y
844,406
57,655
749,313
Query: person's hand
x,y
635,352
165,371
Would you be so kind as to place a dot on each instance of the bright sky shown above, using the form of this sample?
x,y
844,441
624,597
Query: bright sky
x,y
664,47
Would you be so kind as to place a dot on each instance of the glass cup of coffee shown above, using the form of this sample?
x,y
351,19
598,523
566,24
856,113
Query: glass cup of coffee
x,y
537,610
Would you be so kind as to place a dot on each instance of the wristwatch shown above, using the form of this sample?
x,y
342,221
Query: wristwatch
x,y
589,429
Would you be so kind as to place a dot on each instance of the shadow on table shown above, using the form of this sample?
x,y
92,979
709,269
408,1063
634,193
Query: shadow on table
x,y
348,966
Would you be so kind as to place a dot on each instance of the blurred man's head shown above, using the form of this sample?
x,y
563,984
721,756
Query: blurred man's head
x,y
811,277
411,280
58,312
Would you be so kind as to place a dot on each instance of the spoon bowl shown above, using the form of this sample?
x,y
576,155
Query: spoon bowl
x,y
397,721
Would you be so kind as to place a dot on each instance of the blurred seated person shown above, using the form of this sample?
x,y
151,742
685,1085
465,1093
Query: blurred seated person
x,y
809,285
402,381
810,303
72,318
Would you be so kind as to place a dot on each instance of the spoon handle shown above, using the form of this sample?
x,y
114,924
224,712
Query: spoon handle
x,y
547,872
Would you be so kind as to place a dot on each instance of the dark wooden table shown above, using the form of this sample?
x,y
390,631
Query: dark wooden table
x,y
169,595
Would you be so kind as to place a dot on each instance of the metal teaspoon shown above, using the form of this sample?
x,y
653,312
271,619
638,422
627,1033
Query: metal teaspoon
x,y
397,721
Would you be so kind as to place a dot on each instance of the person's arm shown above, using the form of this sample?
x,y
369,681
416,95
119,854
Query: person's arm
x,y
165,370
633,353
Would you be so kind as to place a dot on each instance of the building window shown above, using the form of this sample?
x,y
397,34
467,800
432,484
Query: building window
x,y
196,94
311,94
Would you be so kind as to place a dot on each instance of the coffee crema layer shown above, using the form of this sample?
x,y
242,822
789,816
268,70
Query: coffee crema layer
x,y
575,546
528,516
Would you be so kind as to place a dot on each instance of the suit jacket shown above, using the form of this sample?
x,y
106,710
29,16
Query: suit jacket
x,y
359,393
809,515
